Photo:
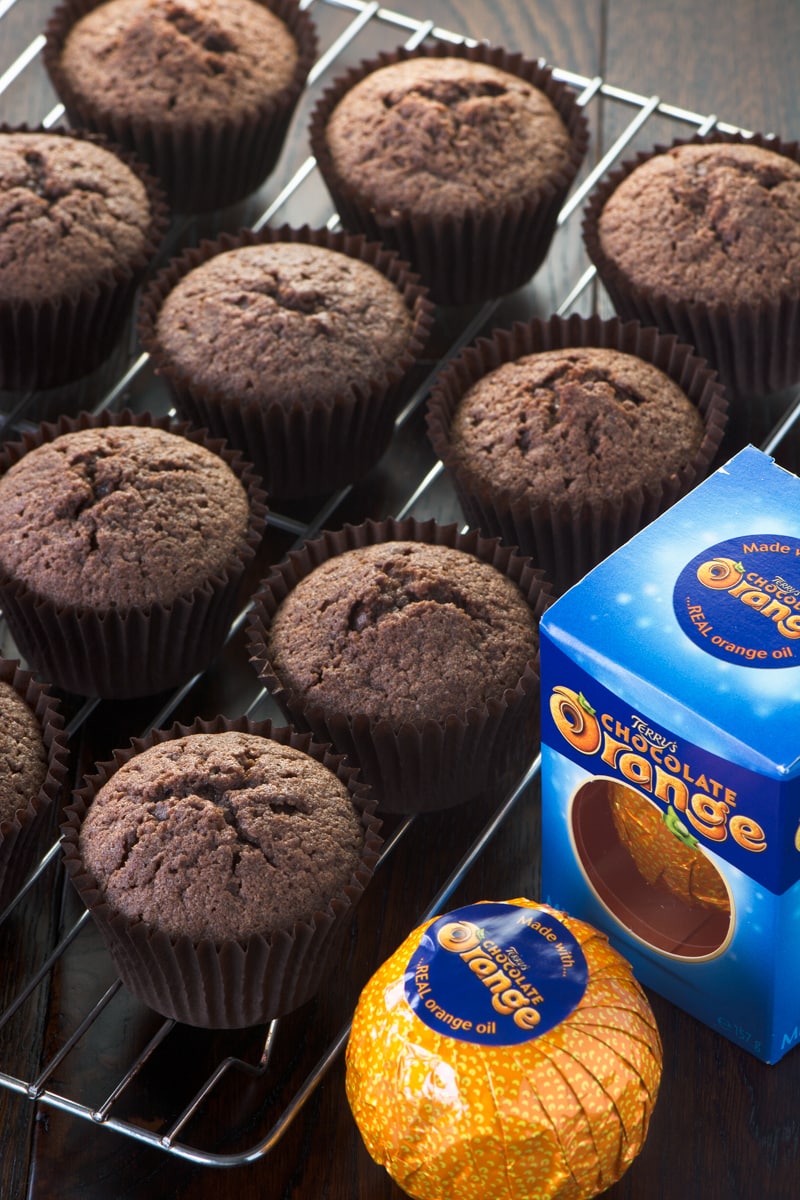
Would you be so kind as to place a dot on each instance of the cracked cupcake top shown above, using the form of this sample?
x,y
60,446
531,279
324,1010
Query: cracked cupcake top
x,y
119,516
284,321
71,213
221,836
403,631
445,135
179,60
23,758
712,222
573,424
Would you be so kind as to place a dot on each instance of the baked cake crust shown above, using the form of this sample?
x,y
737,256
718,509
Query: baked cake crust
x,y
717,222
282,321
576,424
403,631
23,758
445,135
71,214
119,516
222,835
170,60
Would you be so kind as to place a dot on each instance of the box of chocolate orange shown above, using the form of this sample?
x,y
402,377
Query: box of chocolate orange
x,y
671,753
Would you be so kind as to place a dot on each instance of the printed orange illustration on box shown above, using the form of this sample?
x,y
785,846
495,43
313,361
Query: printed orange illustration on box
x,y
671,752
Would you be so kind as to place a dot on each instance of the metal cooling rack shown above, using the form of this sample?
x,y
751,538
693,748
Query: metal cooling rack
x,y
355,20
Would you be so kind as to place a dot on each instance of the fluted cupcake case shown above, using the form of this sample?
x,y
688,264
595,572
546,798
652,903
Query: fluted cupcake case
x,y
754,347
567,540
22,833
54,339
228,983
204,162
123,652
463,258
300,447
423,765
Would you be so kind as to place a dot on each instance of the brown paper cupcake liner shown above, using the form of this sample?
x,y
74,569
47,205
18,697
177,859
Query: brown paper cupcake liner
x,y
298,449
123,653
420,766
203,164
566,542
236,983
22,835
755,348
56,341
463,260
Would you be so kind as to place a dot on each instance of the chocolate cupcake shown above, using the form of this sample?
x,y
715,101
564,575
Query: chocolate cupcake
x,y
566,437
80,223
459,157
702,239
221,863
293,345
411,648
202,92
33,769
124,545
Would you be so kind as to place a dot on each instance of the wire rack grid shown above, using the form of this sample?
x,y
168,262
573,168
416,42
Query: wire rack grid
x,y
351,21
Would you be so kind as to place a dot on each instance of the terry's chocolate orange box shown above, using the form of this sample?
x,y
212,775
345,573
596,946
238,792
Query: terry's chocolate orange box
x,y
671,753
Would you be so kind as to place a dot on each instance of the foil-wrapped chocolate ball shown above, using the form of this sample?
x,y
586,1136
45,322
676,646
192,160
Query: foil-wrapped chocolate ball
x,y
504,1051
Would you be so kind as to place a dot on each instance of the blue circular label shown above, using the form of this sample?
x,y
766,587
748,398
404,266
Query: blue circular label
x,y
496,974
739,600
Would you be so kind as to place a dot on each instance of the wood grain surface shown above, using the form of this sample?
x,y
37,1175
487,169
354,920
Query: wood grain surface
x,y
726,1127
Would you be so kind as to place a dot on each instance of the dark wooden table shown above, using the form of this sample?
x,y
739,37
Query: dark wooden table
x,y
726,1127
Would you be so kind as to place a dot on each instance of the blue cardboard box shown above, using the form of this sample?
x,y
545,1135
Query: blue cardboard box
x,y
671,753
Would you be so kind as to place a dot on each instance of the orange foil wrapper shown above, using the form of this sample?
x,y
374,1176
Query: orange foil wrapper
x,y
504,1051
666,855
